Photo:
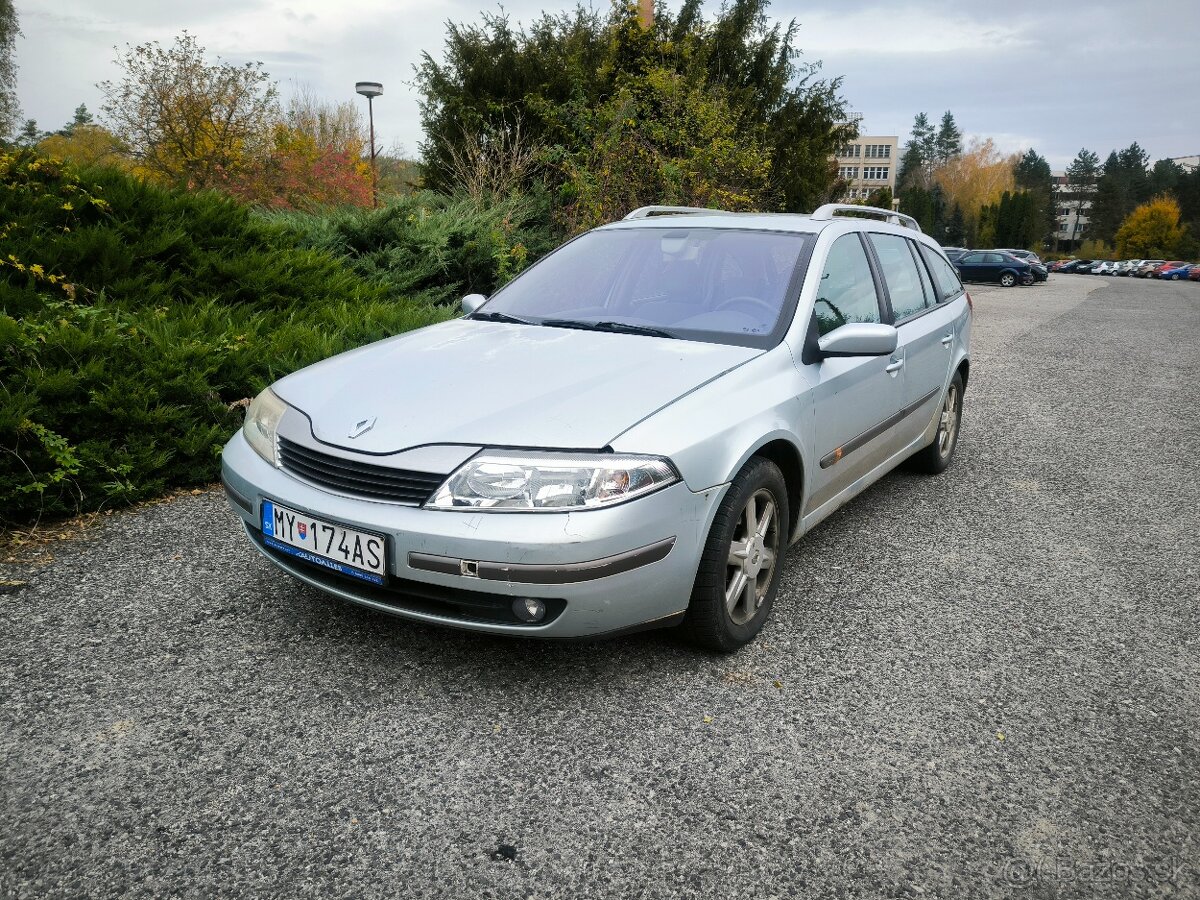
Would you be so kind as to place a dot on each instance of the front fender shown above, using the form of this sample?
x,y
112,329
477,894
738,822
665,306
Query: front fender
x,y
710,433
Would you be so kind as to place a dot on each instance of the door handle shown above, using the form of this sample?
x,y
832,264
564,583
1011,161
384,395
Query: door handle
x,y
947,340
895,366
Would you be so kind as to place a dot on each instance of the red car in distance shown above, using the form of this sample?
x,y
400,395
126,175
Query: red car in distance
x,y
1194,274
1158,270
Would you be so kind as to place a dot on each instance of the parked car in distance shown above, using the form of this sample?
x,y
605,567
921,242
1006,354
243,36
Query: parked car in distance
x,y
1076,265
1058,264
1107,267
994,266
637,451
1147,266
1040,269
1194,273
1028,255
1124,266
1172,271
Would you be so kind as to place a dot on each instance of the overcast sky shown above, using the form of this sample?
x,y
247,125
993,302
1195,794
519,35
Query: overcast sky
x,y
1054,76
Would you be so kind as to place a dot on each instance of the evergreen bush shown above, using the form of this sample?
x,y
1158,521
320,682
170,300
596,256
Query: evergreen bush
x,y
133,319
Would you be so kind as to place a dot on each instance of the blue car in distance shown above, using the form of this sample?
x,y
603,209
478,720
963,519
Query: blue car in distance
x,y
1176,274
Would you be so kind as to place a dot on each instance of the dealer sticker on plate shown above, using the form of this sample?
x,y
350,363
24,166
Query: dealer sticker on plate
x,y
334,547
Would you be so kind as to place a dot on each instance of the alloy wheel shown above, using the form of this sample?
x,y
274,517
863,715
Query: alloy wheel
x,y
753,553
948,426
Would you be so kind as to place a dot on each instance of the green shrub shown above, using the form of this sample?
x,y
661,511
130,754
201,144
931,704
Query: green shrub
x,y
132,321
430,245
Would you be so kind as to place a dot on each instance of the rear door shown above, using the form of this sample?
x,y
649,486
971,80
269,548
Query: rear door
x,y
854,398
925,329
970,265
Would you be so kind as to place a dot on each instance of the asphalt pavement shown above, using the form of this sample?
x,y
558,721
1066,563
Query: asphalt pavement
x,y
984,684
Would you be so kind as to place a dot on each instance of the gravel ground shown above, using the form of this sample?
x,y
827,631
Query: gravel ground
x,y
982,684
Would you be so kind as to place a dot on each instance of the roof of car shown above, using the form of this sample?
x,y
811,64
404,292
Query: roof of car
x,y
755,221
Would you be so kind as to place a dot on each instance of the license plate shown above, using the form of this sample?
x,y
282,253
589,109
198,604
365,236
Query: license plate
x,y
335,547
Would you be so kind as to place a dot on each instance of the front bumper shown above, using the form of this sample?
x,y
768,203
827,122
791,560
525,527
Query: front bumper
x,y
598,571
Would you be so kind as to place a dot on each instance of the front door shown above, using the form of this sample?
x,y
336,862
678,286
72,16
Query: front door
x,y
926,331
854,398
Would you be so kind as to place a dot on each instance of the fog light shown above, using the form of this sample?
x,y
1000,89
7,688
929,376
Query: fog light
x,y
529,609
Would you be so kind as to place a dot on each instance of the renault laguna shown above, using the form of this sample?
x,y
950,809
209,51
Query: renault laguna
x,y
628,435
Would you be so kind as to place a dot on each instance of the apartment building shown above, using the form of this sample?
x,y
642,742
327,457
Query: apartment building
x,y
867,165
1072,205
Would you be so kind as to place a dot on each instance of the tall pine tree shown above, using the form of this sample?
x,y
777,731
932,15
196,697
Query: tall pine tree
x,y
1032,175
949,141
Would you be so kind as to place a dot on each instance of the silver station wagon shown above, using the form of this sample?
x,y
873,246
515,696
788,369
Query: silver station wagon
x,y
628,435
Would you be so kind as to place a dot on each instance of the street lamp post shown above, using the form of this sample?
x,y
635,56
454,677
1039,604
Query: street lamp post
x,y
371,90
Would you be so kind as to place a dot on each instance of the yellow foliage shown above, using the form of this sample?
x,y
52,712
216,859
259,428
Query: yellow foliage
x,y
1152,230
976,178
86,145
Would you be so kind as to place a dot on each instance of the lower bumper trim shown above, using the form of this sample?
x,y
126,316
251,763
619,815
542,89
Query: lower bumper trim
x,y
548,573
237,498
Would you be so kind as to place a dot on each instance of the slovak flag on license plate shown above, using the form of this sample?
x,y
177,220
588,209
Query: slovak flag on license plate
x,y
303,529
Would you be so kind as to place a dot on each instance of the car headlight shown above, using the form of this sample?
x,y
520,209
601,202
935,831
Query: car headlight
x,y
262,418
551,481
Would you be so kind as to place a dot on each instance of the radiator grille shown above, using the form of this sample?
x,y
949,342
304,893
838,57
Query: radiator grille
x,y
349,476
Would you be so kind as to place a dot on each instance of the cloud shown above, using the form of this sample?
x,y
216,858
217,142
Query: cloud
x,y
1026,71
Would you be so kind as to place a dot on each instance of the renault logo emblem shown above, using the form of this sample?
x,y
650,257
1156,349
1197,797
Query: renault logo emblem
x,y
362,427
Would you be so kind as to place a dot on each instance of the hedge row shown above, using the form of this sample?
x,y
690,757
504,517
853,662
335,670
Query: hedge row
x,y
133,320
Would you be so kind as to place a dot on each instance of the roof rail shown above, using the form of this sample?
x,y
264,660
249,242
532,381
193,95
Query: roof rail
x,y
829,210
645,212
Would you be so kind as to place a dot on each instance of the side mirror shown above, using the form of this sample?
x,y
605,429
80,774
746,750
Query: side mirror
x,y
859,339
472,302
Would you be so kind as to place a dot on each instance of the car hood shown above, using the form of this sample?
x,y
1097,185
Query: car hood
x,y
496,384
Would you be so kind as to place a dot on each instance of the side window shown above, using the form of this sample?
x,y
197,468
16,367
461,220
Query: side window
x,y
931,297
948,285
972,259
900,273
847,290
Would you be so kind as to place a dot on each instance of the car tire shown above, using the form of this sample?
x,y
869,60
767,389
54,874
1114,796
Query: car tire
x,y
935,458
1008,279
727,611
1174,277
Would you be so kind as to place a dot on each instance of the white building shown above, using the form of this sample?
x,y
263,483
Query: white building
x,y
1072,203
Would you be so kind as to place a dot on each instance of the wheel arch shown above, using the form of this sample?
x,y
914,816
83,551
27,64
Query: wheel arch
x,y
785,455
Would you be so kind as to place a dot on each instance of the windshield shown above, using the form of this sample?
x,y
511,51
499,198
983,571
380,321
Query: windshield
x,y
708,284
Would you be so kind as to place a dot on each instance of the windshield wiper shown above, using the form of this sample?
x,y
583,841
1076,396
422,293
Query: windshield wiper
x,y
498,317
615,327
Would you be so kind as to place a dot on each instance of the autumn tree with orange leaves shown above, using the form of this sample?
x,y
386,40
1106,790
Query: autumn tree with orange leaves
x,y
192,123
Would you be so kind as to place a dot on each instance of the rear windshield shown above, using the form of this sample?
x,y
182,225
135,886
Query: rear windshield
x,y
731,286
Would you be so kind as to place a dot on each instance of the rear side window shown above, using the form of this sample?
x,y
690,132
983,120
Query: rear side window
x,y
847,290
944,275
900,273
931,296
